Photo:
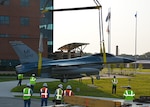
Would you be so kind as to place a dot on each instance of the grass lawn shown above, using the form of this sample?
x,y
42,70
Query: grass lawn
x,y
139,83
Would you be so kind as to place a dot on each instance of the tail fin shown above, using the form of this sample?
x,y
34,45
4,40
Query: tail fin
x,y
25,53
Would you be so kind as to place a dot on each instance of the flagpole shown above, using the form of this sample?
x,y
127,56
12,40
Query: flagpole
x,y
109,40
108,19
109,32
135,42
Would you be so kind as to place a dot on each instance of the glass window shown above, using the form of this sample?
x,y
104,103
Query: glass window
x,y
4,2
24,36
46,3
50,27
4,35
24,2
49,43
4,20
24,21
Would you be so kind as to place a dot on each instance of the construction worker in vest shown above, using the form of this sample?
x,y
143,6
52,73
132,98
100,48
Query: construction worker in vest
x,y
32,81
27,93
44,93
129,94
114,85
20,78
68,91
58,94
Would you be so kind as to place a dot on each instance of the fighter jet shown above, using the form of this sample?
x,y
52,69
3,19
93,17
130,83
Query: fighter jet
x,y
63,69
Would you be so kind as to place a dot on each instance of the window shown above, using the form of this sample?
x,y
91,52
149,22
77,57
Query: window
x,y
24,36
49,43
4,35
24,21
4,2
24,2
50,27
4,20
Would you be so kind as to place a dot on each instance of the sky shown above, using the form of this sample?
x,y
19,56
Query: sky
x,y
83,25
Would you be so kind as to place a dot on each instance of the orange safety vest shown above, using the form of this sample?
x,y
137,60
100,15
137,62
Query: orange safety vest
x,y
44,92
68,93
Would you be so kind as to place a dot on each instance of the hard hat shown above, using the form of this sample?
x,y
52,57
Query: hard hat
x,y
28,85
69,87
128,87
45,85
33,74
60,86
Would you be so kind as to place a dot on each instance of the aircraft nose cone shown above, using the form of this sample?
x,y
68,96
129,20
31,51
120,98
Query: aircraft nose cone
x,y
128,60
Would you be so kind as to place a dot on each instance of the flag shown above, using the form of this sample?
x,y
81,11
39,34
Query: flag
x,y
135,15
108,20
108,16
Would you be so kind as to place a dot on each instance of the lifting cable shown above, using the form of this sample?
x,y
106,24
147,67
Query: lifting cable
x,y
101,33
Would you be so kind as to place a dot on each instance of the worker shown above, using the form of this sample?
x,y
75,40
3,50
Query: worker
x,y
129,94
58,94
32,81
68,91
114,85
44,93
20,78
27,93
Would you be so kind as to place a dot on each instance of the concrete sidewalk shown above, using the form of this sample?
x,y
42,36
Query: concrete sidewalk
x,y
6,87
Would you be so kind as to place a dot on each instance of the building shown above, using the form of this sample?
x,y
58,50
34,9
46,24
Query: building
x,y
21,20
46,23
143,64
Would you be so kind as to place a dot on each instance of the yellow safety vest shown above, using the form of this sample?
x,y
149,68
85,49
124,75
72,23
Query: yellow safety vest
x,y
26,93
20,76
59,93
32,80
129,95
114,81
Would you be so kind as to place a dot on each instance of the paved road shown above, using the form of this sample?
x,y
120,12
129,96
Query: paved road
x,y
17,102
7,98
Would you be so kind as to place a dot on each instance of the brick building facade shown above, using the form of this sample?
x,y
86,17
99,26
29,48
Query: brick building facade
x,y
20,21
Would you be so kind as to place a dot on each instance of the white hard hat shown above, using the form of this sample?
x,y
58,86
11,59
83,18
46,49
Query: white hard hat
x,y
28,85
60,86
45,85
33,74
69,87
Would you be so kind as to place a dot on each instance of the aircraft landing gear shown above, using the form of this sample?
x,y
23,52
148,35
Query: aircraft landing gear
x,y
64,80
98,77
